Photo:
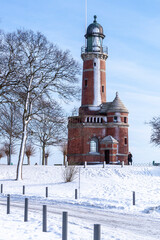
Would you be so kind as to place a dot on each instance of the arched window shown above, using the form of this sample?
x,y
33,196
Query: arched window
x,y
94,145
115,119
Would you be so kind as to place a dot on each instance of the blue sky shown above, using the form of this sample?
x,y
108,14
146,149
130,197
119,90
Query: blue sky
x,y
132,30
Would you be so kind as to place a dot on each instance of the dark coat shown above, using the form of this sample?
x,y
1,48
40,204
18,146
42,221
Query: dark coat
x,y
129,157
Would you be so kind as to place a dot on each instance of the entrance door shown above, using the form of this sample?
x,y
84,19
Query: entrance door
x,y
107,156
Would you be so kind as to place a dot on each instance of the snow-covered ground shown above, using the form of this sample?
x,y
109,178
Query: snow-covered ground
x,y
105,198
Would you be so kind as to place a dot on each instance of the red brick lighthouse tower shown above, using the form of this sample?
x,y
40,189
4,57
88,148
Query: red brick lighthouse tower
x,y
100,132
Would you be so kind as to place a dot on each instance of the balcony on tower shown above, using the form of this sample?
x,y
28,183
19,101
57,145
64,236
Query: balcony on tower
x,y
102,49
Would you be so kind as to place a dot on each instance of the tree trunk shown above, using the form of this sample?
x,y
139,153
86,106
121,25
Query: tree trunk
x,y
21,153
46,160
43,154
26,119
28,158
10,138
7,159
10,152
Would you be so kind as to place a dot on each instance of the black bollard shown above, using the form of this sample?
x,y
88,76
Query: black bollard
x,y
44,227
23,189
97,231
1,188
8,204
26,210
65,226
46,192
76,194
134,199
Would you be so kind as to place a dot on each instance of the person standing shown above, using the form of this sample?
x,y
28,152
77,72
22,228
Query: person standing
x,y
129,159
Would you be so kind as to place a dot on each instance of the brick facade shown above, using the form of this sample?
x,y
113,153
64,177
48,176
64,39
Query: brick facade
x,y
100,132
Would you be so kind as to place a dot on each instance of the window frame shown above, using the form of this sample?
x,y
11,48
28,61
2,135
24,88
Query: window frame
x,y
115,119
94,145
125,141
85,82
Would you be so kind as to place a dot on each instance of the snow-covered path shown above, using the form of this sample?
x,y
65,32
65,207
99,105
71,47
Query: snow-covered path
x,y
105,198
140,226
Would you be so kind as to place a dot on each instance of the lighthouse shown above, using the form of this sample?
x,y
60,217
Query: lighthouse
x,y
94,56
100,132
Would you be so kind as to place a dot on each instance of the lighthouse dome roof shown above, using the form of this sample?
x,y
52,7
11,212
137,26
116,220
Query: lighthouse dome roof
x,y
95,29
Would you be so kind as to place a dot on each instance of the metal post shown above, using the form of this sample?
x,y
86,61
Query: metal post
x,y
8,204
85,164
1,188
23,189
26,210
46,192
97,232
65,226
66,164
10,147
122,164
134,199
76,194
104,164
44,227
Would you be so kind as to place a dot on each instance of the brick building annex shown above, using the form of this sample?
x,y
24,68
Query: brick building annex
x,y
100,132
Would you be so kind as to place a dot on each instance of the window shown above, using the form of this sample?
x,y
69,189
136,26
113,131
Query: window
x,y
94,64
125,119
85,82
125,140
115,119
87,119
95,120
103,89
94,145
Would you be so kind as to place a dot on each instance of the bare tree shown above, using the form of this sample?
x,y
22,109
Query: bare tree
x,y
8,67
8,149
10,124
155,136
49,126
47,154
39,68
29,151
1,153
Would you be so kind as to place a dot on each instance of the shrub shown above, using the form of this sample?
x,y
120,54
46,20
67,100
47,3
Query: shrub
x,y
70,173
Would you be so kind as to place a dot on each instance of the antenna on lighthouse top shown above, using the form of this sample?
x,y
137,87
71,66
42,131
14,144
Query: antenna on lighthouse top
x,y
85,22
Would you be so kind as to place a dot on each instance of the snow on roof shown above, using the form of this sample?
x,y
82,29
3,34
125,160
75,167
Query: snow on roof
x,y
117,105
109,139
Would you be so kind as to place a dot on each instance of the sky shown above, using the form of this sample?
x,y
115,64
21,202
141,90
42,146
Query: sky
x,y
132,30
